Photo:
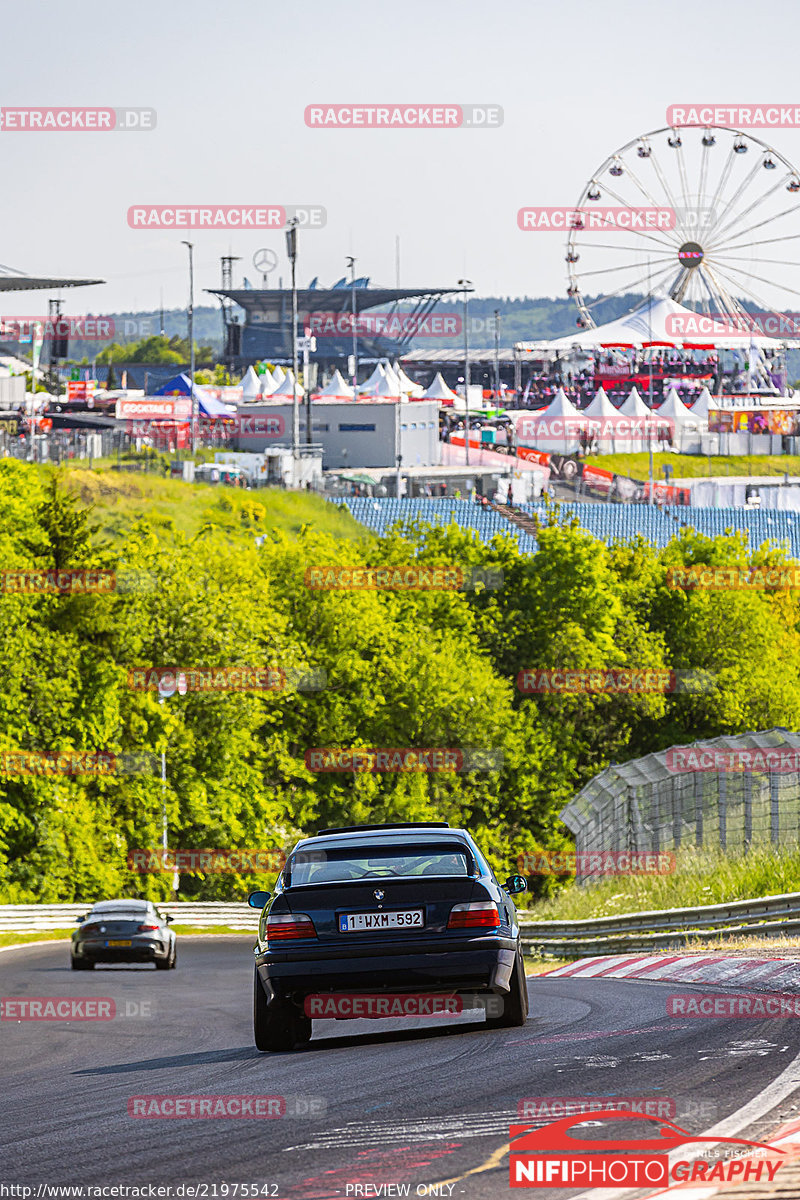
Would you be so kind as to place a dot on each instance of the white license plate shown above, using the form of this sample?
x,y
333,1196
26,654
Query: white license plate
x,y
410,918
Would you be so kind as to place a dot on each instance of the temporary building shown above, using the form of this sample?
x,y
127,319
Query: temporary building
x,y
251,388
286,389
278,374
337,388
557,427
437,389
408,386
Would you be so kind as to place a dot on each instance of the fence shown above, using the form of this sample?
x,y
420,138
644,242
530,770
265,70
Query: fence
x,y
729,793
20,918
767,917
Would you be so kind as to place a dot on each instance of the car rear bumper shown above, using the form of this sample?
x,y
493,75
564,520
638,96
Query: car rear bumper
x,y
476,965
146,951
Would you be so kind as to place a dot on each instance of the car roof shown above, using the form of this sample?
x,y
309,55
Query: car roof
x,y
393,836
122,904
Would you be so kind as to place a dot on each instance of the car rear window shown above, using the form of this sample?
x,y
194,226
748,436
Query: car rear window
x,y
119,914
343,864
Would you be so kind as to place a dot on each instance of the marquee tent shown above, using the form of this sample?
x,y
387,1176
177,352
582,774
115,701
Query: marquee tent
x,y
285,388
251,388
634,406
437,389
659,319
207,405
676,412
699,409
267,383
336,388
408,385
557,427
278,374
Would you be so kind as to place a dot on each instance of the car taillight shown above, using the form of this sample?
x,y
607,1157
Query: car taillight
x,y
89,928
479,915
290,925
146,928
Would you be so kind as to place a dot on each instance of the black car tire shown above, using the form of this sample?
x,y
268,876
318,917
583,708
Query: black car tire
x,y
81,964
173,962
515,1004
164,964
277,1028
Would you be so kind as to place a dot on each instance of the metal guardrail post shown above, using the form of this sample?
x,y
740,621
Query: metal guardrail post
x,y
774,810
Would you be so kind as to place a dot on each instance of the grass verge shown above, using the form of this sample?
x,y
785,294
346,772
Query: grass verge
x,y
692,466
700,877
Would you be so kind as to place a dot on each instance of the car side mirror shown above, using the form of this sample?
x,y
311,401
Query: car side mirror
x,y
258,899
167,919
515,884
79,920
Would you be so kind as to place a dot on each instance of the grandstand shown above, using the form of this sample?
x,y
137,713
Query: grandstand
x,y
607,522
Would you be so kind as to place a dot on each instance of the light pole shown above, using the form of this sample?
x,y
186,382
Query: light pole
x,y
351,262
168,685
291,250
497,355
466,284
191,344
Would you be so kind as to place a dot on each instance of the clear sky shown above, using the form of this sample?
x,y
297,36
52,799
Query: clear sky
x,y
230,82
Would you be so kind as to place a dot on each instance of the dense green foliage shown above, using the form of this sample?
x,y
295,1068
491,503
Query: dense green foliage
x,y
404,669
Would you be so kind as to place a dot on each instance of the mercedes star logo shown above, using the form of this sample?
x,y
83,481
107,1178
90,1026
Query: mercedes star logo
x,y
379,893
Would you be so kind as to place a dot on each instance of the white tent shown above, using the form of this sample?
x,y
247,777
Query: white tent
x,y
601,407
675,411
286,387
337,388
387,386
556,427
278,374
634,406
700,407
408,385
250,385
660,319
267,383
377,377
437,389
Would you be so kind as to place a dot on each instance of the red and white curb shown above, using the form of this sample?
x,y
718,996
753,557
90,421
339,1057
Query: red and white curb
x,y
769,974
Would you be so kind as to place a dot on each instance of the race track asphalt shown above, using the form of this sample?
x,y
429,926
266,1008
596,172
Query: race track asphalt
x,y
393,1102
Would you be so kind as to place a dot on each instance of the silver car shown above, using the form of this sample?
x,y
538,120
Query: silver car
x,y
123,931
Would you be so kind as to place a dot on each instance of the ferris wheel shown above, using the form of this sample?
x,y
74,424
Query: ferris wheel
x,y
736,202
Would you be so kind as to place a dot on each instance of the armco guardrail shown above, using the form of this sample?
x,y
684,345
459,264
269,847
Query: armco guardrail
x,y
768,916
18,918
